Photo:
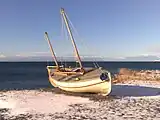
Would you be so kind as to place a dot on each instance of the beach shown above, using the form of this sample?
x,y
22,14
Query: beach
x,y
130,100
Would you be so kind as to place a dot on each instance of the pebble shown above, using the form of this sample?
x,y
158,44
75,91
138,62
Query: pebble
x,y
110,108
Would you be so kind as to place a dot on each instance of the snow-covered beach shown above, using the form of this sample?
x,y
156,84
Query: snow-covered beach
x,y
133,100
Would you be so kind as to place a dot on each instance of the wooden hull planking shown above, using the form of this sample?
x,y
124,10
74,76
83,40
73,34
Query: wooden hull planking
x,y
95,85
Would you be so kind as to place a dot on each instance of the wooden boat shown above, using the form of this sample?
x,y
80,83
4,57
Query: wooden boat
x,y
77,79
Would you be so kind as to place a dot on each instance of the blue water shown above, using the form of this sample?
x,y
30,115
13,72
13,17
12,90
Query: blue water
x,y
33,75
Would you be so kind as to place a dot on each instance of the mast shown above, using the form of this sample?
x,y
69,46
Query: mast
x,y
71,37
51,49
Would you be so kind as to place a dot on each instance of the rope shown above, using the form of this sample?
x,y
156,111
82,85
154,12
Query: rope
x,y
66,36
94,63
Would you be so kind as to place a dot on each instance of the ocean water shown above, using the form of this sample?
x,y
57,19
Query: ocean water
x,y
33,75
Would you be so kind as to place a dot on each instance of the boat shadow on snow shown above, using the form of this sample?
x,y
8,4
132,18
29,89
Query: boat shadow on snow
x,y
134,91
118,92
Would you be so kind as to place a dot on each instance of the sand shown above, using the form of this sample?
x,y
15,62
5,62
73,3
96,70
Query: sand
x,y
132,100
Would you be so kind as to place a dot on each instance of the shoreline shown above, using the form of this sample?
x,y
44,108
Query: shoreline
x,y
126,101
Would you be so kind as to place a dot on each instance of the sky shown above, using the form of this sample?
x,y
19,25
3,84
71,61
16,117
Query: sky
x,y
108,28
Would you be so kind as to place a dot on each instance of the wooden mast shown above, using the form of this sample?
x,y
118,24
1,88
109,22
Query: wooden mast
x,y
71,37
51,49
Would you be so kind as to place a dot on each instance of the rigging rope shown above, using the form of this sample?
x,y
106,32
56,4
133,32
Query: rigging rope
x,y
62,27
65,36
74,29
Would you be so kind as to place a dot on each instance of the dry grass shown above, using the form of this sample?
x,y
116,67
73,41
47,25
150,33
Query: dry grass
x,y
127,75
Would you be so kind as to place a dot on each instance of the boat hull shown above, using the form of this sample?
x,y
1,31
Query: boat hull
x,y
95,85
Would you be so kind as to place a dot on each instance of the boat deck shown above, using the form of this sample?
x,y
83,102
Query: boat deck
x,y
87,76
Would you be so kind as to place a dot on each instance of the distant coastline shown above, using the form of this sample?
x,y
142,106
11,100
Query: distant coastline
x,y
149,58
125,61
50,61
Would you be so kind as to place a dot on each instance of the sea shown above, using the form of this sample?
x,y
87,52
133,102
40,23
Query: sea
x,y
33,75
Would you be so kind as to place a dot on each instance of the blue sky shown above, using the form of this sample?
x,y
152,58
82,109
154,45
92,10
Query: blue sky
x,y
109,28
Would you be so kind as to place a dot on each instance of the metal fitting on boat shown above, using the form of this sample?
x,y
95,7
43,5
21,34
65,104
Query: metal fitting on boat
x,y
77,78
104,76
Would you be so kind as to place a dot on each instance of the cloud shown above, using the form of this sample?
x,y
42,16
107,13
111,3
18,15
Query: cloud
x,y
119,57
2,56
33,54
41,52
154,49
151,54
22,55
